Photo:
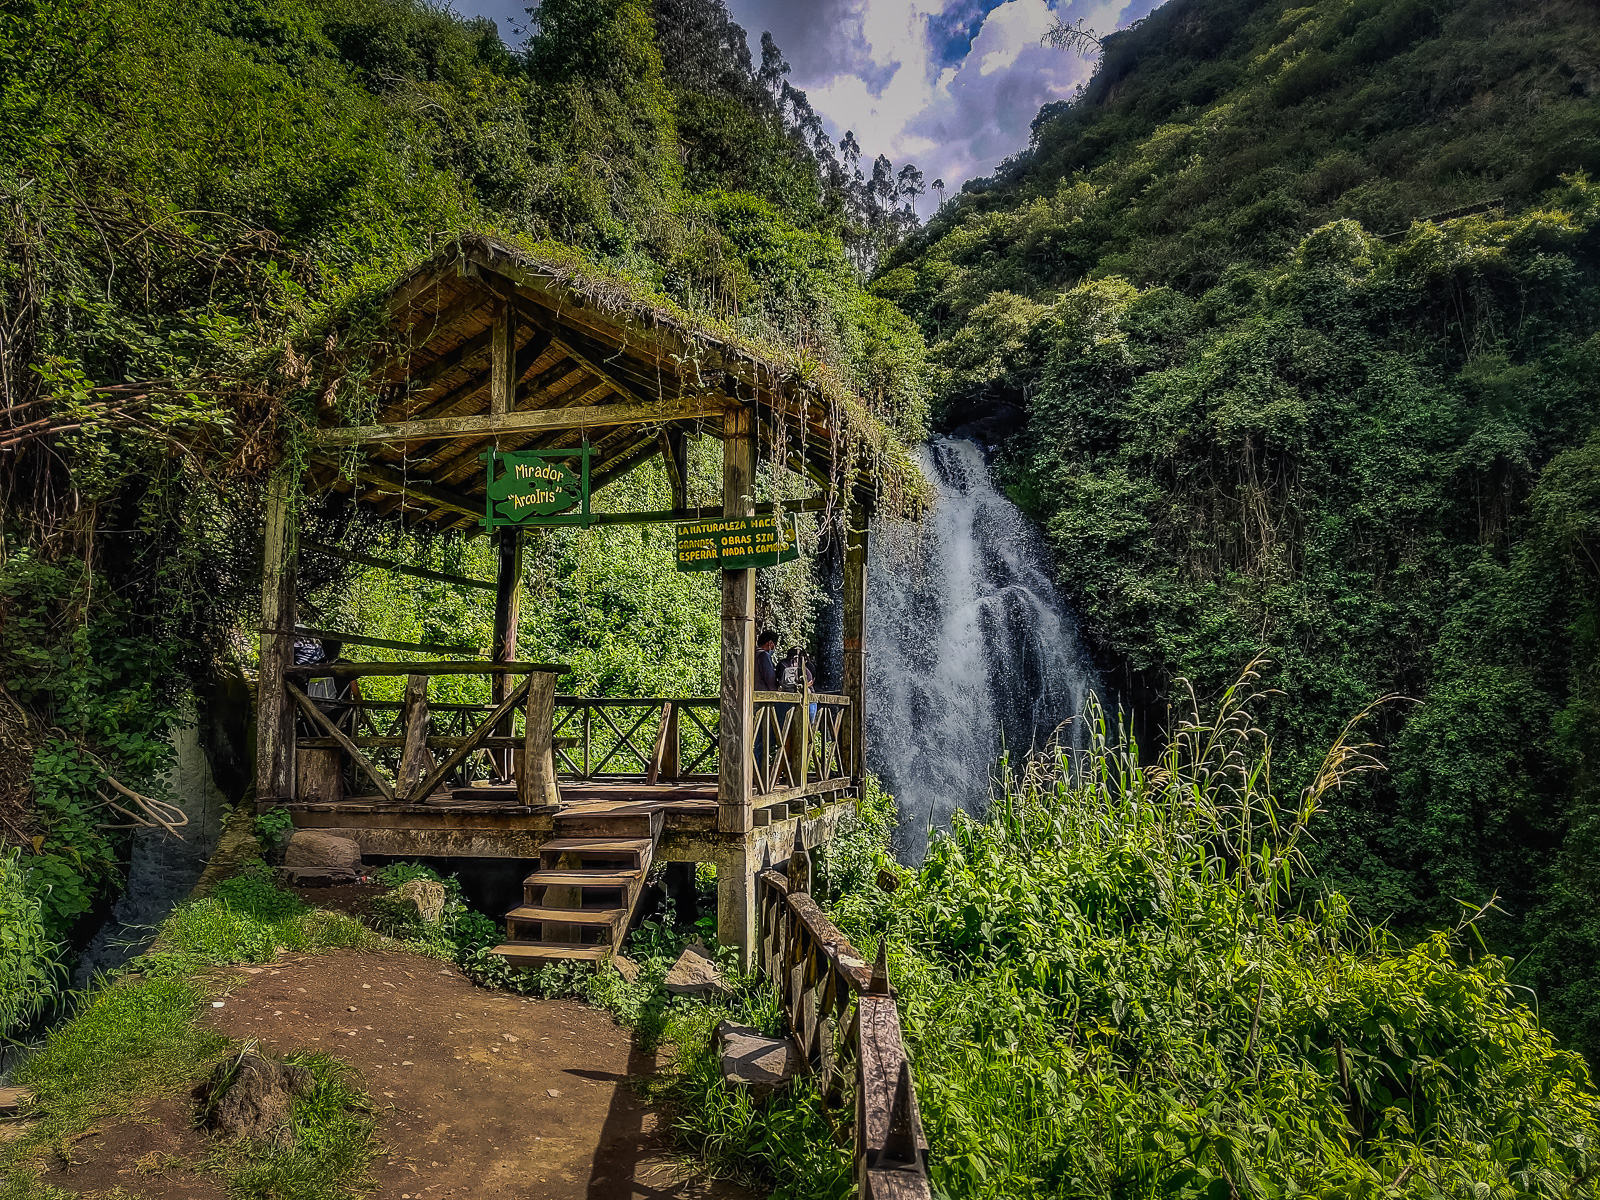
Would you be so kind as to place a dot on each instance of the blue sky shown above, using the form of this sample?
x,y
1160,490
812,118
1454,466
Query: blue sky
x,y
948,84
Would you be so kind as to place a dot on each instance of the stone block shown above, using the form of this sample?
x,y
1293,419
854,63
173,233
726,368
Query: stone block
x,y
313,848
751,1060
696,974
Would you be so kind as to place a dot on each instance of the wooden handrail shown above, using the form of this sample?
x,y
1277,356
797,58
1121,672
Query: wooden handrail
x,y
363,669
837,1007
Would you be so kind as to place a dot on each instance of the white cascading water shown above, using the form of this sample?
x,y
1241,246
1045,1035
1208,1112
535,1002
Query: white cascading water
x,y
970,649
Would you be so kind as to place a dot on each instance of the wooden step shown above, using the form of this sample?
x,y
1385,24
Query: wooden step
x,y
608,824
620,878
634,853
567,916
534,954
595,845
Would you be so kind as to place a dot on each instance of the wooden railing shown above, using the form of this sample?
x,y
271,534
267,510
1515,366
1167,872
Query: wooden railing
x,y
843,1018
800,745
427,759
632,736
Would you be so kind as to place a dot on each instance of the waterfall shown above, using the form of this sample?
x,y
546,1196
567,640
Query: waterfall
x,y
161,868
969,646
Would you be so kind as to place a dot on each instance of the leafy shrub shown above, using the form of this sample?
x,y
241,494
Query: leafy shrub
x,y
31,972
1122,983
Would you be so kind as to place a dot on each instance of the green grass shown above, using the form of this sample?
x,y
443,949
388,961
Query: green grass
x,y
246,919
334,1143
138,1039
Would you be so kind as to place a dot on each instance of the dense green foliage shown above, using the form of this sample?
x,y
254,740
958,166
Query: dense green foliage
x,y
1219,132
1262,404
191,192
1122,982
28,970
1120,985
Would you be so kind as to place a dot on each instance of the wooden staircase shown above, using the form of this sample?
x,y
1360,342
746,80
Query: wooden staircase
x,y
578,905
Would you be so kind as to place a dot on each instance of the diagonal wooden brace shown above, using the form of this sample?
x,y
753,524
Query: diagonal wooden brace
x,y
320,720
459,754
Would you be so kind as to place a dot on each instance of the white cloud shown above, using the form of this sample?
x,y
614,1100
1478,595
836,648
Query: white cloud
x,y
1009,30
871,66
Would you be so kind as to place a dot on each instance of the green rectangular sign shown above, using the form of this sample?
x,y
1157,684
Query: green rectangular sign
x,y
734,543
536,487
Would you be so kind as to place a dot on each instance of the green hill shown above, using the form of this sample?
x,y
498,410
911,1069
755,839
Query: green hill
x,y
1261,401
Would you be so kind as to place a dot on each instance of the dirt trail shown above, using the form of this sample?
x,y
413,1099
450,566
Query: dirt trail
x,y
491,1095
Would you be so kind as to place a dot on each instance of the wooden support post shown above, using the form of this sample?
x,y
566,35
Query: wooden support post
x,y
802,763
318,775
507,614
503,362
274,713
855,651
738,633
736,899
416,761
735,883
672,748
536,778
675,456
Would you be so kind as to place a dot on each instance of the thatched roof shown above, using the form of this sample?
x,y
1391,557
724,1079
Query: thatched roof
x,y
637,364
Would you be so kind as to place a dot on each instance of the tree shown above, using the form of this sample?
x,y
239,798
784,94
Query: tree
x,y
605,116
1073,37
938,190
909,184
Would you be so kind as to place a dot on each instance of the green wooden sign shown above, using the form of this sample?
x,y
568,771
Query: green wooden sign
x,y
734,543
536,487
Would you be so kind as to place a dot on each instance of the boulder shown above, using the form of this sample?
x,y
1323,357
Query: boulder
x,y
426,896
313,848
761,1064
252,1096
626,967
696,974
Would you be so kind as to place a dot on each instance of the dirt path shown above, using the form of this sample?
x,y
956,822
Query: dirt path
x,y
491,1095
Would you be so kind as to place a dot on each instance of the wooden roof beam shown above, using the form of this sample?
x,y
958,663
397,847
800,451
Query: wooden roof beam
x,y
538,420
387,479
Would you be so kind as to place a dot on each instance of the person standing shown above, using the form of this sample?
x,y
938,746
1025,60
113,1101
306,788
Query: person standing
x,y
766,666
766,680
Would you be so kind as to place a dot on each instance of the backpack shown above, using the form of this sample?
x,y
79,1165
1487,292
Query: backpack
x,y
792,673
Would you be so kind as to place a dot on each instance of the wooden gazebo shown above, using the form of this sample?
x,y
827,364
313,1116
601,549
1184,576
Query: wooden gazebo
x,y
496,350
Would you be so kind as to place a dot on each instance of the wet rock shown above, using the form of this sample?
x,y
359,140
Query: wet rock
x,y
251,1097
426,896
761,1064
696,974
313,848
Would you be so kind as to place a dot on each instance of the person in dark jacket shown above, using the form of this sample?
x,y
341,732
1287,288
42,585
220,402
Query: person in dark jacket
x,y
766,666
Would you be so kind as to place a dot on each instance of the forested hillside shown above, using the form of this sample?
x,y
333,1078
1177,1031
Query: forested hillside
x,y
1269,389
189,189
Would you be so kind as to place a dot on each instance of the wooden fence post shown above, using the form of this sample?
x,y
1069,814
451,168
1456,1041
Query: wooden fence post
x,y
507,613
416,761
536,783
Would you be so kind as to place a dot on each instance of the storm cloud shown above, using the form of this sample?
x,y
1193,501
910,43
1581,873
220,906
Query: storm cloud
x,y
951,85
